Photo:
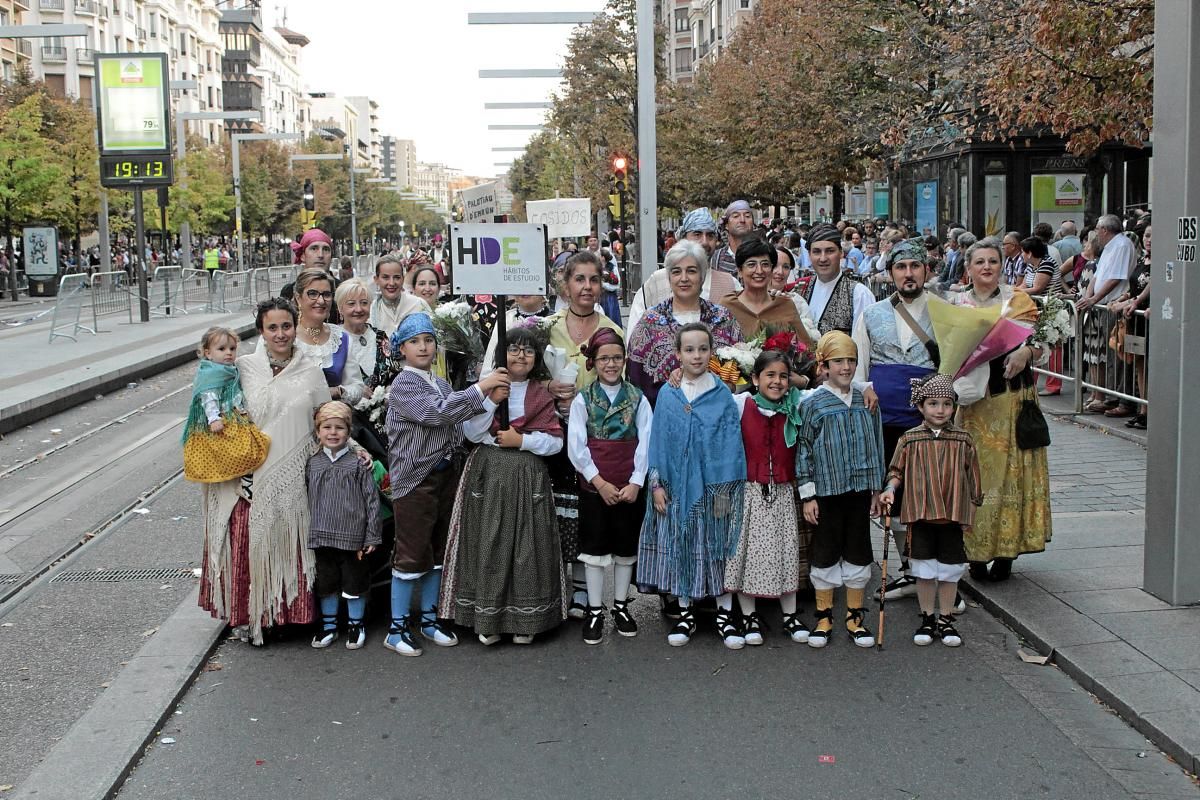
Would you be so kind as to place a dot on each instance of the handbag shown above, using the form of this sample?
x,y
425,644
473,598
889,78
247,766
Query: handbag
x,y
217,457
1032,430
1116,341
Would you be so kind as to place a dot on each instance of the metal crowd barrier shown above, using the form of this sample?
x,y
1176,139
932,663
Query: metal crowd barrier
x,y
112,293
166,286
68,307
232,290
196,290
364,266
1090,364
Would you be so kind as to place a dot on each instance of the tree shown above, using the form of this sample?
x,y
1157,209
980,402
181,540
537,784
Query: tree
x,y
28,172
75,205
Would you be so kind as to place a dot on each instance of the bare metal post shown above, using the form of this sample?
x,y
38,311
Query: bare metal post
x,y
647,141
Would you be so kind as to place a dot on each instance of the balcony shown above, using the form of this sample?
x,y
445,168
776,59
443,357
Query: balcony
x,y
20,5
54,54
88,7
25,48
52,5
174,54
141,33
85,55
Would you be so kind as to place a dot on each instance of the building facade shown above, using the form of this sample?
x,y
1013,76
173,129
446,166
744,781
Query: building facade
x,y
242,37
713,24
285,103
675,18
15,54
398,161
369,152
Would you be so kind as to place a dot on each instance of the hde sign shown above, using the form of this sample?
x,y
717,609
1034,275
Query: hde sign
x,y
506,258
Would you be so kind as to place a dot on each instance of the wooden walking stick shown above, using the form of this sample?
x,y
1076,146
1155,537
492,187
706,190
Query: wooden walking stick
x,y
887,535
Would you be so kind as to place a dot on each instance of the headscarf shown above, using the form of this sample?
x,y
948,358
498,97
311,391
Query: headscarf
x,y
601,337
934,385
823,233
836,344
908,250
334,409
310,236
736,205
699,220
413,325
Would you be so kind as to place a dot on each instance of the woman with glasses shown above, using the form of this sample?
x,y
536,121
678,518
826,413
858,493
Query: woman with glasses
x,y
327,344
652,354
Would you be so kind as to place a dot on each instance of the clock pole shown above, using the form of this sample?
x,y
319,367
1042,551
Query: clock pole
x,y
139,223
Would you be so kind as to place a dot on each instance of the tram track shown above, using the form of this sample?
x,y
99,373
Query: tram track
x,y
106,475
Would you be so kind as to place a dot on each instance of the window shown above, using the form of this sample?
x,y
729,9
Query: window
x,y
681,20
745,4
683,59
3,19
183,44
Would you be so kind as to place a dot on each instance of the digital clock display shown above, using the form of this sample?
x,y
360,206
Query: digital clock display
x,y
134,170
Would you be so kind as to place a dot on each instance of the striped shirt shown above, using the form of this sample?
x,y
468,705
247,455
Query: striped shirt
x,y
343,502
840,447
1047,267
940,475
424,425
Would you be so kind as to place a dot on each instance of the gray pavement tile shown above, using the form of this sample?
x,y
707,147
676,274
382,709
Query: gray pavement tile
x,y
1174,653
1111,601
1045,616
1105,659
1080,558
1122,576
1146,693
1088,729
1190,676
1182,727
1165,621
1151,773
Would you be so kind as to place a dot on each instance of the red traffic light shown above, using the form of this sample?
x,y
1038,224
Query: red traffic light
x,y
619,164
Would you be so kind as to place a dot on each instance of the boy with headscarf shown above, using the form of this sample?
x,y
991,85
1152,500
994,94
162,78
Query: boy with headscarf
x,y
839,465
937,464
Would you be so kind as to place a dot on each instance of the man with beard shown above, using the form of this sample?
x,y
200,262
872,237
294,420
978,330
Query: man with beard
x,y
835,300
700,227
895,339
739,223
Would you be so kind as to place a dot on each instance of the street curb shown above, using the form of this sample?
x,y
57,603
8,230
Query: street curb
x,y
1170,742
96,755
38,408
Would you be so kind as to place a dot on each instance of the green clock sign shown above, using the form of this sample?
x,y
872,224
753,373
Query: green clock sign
x,y
132,112
122,171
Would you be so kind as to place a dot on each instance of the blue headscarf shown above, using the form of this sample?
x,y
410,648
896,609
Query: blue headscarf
x,y
413,325
698,219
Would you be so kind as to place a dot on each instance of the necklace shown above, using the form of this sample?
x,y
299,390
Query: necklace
x,y
313,333
575,313
281,362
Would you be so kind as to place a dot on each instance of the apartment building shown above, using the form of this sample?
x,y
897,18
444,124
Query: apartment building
x,y
398,161
14,53
675,18
285,103
369,152
335,117
713,24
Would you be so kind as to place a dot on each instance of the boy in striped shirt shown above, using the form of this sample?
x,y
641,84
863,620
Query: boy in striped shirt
x,y
937,464
839,468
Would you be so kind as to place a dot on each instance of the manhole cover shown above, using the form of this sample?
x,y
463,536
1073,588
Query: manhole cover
x,y
121,575
4,579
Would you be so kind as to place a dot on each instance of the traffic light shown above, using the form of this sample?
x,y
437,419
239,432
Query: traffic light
x,y
620,168
614,206
310,197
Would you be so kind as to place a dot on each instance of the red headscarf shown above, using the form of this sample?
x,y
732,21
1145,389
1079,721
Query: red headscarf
x,y
310,236
601,337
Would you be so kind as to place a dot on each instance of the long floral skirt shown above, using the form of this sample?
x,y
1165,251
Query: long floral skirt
x,y
504,570
1015,516
767,561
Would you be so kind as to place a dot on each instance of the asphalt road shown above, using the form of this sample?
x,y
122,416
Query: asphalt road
x,y
636,718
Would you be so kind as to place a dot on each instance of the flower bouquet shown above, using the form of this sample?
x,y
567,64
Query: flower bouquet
x,y
800,358
1053,323
456,330
374,405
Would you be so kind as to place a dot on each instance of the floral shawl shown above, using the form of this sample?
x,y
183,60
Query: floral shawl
x,y
652,342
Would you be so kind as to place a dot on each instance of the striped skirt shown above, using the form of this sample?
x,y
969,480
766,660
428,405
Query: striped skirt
x,y
234,586
503,571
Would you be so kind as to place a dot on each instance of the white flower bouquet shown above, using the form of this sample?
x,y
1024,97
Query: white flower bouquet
x,y
456,329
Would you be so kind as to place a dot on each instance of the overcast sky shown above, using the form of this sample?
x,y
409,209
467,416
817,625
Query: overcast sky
x,y
420,61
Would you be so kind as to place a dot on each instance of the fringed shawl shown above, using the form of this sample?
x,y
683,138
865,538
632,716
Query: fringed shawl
x,y
282,406
697,454
652,341
222,380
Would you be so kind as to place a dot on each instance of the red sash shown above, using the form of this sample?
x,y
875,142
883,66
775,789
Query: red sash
x,y
614,459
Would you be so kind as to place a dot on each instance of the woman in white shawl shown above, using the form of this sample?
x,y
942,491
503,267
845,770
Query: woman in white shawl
x,y
257,569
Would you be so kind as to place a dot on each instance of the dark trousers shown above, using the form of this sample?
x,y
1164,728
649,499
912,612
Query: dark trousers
x,y
422,520
843,530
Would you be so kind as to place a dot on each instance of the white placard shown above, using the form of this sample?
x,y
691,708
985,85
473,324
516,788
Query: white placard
x,y
504,258
479,203
566,216
40,248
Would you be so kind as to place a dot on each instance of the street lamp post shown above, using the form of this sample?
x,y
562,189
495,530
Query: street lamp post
x,y
237,140
182,117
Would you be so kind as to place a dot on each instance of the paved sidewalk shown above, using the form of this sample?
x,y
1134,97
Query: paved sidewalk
x,y
1081,601
39,378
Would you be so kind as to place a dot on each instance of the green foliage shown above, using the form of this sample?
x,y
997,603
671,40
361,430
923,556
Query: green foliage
x,y
29,170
